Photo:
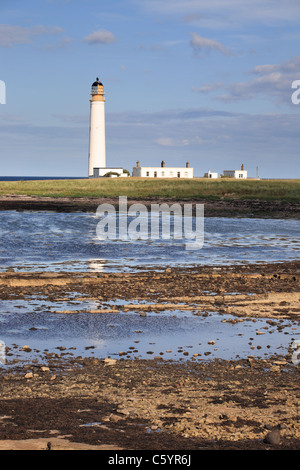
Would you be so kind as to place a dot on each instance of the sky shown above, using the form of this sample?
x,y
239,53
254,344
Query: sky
x,y
204,81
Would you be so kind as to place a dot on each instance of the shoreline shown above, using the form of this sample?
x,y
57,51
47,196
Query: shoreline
x,y
156,404
213,208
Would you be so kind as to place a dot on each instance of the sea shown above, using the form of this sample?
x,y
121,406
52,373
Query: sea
x,y
40,178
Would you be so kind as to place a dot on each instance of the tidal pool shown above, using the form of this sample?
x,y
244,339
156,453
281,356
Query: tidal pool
x,y
50,241
176,334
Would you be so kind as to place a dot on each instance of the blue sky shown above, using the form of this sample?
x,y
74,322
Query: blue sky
x,y
197,80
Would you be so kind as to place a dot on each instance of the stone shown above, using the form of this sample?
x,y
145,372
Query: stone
x,y
115,418
273,437
275,368
109,362
29,375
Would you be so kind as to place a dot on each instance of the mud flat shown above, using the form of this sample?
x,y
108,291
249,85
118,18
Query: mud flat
x,y
70,401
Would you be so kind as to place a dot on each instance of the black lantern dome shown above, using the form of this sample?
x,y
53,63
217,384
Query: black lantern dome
x,y
97,82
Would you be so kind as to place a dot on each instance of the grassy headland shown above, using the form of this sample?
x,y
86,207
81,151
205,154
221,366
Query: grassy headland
x,y
142,188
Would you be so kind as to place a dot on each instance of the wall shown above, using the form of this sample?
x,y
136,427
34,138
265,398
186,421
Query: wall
x,y
162,172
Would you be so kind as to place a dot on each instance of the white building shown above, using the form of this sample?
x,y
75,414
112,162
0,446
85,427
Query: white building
x,y
163,171
97,151
239,174
100,172
210,174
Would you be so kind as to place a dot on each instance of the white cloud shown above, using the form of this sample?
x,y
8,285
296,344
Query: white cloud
x,y
61,44
100,37
271,80
171,142
199,43
11,35
166,142
290,66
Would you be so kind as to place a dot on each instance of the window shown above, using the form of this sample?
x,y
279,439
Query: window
x,y
147,173
155,174
186,174
162,173
171,173
241,175
178,174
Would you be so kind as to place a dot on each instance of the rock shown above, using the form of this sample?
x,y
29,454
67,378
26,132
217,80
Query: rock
x,y
251,361
115,418
273,437
275,368
110,362
124,411
29,375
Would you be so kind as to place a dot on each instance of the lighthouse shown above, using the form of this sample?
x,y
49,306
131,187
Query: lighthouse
x,y
97,155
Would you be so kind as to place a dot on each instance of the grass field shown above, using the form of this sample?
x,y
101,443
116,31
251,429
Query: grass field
x,y
140,188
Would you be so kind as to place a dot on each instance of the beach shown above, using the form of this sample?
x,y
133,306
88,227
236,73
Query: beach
x,y
123,402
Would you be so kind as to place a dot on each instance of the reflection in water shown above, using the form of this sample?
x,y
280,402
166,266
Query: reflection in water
x,y
96,265
175,334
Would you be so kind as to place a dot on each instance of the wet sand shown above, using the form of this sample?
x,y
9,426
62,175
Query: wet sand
x,y
157,403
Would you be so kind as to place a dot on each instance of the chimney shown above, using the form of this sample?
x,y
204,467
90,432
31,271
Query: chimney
x,y
162,164
242,167
187,165
137,164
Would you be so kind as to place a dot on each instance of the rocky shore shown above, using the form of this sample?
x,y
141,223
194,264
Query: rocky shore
x,y
224,207
69,401
152,404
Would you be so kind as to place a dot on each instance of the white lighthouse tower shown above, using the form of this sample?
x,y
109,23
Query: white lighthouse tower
x,y
97,155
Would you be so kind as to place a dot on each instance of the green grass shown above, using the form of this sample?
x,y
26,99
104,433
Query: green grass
x,y
140,188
